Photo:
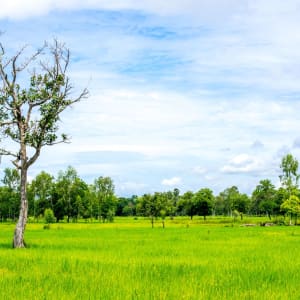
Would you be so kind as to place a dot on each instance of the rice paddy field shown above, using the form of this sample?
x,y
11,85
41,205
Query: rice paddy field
x,y
129,260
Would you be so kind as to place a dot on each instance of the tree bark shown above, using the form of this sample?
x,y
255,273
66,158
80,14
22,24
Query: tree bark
x,y
18,241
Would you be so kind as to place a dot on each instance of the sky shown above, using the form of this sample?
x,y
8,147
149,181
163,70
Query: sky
x,y
183,94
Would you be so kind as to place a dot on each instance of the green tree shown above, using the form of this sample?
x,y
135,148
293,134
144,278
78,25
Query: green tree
x,y
49,216
126,206
41,191
292,207
289,177
242,204
71,196
9,203
203,201
10,194
104,191
174,202
227,200
185,205
30,115
11,179
150,206
264,198
280,197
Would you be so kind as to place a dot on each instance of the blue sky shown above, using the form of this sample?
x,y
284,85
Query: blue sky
x,y
185,94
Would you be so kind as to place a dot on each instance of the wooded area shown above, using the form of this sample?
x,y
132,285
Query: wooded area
x,y
69,198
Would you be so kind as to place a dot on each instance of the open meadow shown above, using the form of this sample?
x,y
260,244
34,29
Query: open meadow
x,y
128,259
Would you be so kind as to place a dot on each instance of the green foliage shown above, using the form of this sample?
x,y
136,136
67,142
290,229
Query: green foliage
x,y
71,196
203,202
186,204
231,199
264,198
105,201
289,178
29,115
11,179
291,206
177,263
40,193
49,216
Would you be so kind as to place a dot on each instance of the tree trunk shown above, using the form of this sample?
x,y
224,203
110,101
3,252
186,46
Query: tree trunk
x,y
18,241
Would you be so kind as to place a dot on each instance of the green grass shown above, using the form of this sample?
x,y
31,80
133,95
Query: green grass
x,y
129,260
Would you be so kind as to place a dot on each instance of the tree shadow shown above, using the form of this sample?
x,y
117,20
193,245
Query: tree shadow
x,y
6,246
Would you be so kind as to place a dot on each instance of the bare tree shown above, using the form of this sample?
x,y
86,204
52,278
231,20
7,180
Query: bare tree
x,y
30,115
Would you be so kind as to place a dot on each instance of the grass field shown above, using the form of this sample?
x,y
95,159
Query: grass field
x,y
129,260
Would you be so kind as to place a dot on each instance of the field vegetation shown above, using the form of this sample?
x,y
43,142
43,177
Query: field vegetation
x,y
188,259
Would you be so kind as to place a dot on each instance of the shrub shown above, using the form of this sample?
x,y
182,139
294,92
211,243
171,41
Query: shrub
x,y
49,216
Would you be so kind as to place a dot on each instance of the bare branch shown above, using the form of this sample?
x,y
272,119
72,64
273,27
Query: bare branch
x,y
25,64
7,123
9,153
3,75
2,49
56,143
16,164
83,95
34,157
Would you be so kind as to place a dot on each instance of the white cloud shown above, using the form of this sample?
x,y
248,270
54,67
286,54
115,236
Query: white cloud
x,y
243,163
132,187
171,181
233,79
215,9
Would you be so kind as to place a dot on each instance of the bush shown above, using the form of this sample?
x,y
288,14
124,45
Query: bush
x,y
49,216
110,215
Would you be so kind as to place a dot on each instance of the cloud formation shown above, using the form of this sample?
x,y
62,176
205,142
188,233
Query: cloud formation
x,y
24,9
201,90
171,182
242,163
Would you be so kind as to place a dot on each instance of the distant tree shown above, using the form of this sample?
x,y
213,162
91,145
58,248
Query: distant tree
x,y
64,197
203,201
79,199
9,203
29,115
174,202
41,192
150,206
104,191
49,216
280,196
264,198
126,206
11,179
227,200
242,204
292,207
10,194
185,205
289,177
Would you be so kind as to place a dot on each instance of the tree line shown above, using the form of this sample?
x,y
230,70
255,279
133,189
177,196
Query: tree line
x,y
70,198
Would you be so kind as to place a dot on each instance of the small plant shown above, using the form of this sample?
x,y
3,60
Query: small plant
x,y
110,216
49,216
